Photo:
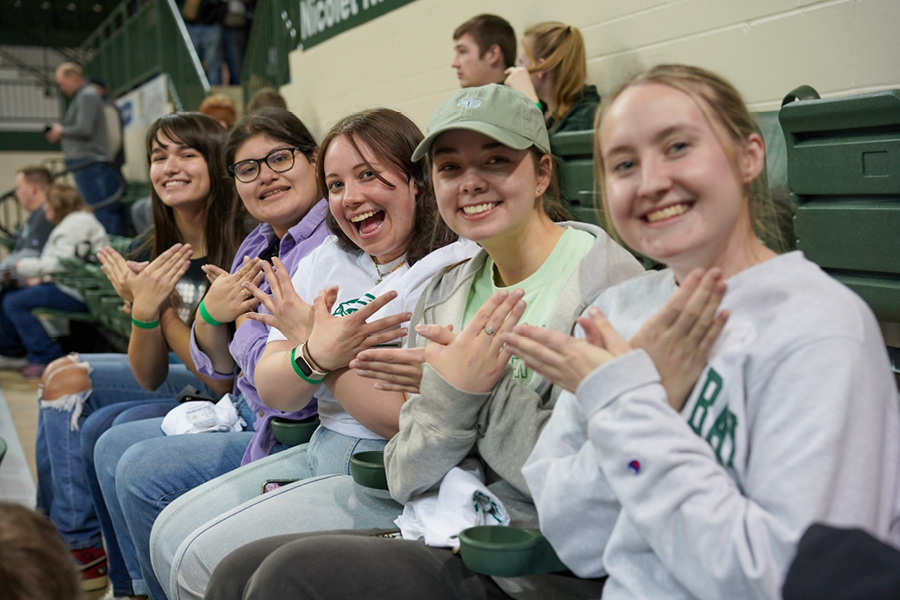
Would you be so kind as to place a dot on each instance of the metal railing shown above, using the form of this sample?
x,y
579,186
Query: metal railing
x,y
275,33
141,40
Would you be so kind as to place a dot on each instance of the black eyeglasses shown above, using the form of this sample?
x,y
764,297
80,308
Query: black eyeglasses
x,y
279,160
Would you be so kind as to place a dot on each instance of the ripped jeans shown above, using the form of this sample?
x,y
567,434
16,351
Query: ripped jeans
x,y
63,492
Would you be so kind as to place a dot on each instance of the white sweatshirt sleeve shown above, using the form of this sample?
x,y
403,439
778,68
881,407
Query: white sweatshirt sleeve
x,y
815,455
576,505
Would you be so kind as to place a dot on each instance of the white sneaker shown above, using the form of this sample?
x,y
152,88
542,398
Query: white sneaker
x,y
11,362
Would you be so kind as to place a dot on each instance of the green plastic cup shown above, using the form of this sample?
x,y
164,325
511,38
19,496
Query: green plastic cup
x,y
508,551
294,433
367,469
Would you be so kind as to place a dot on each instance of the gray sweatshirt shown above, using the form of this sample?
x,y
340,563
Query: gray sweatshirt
x,y
84,127
443,425
794,420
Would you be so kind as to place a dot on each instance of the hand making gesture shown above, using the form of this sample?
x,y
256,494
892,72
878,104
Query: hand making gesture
x,y
226,298
156,282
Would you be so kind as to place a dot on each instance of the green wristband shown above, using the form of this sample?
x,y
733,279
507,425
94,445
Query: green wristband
x,y
206,316
299,372
145,324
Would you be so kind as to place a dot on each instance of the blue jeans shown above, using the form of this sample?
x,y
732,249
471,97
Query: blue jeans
x,y
207,41
124,567
63,491
95,184
204,525
159,481
22,332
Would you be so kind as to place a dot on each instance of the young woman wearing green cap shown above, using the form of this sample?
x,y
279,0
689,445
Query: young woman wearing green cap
x,y
488,153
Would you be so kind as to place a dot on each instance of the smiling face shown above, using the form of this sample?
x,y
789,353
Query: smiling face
x,y
378,217
672,190
279,199
486,192
179,173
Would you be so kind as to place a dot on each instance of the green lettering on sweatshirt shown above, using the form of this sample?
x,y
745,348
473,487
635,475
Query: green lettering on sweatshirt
x,y
708,394
351,306
721,437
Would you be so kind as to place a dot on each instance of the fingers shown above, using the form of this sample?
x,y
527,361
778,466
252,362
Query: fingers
x,y
136,267
386,323
374,306
439,334
705,343
408,357
274,282
707,312
383,337
324,302
694,307
612,341
260,296
672,309
492,313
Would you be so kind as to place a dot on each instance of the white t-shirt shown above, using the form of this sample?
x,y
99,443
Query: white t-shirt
x,y
356,277
794,420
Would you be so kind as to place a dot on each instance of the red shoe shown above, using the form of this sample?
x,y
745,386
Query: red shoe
x,y
31,370
91,563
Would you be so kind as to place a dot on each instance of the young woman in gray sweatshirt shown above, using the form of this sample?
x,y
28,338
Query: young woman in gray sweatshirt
x,y
690,468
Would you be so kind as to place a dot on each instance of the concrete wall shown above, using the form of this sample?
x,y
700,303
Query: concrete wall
x,y
765,47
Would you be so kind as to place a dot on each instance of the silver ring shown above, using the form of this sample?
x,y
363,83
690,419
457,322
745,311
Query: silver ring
x,y
489,330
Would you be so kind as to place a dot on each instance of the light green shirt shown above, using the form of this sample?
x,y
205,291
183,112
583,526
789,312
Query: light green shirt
x,y
541,288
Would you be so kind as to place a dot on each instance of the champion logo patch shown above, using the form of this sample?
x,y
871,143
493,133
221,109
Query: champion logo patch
x,y
469,103
634,466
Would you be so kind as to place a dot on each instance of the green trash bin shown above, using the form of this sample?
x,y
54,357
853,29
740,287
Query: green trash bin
x,y
844,183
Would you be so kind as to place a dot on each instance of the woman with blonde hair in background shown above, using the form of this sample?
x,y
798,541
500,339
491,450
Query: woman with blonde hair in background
x,y
552,72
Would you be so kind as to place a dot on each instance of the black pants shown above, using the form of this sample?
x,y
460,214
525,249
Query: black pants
x,y
346,564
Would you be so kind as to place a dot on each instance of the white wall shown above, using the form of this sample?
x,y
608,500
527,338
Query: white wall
x,y
765,47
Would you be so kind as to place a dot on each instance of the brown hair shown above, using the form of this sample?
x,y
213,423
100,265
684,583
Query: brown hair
x,y
562,48
37,175
725,110
265,97
391,136
221,108
488,30
34,562
224,211
64,200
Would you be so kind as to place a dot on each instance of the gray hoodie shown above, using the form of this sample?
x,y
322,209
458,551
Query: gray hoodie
x,y
443,425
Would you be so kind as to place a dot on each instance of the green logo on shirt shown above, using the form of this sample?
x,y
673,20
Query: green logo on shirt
x,y
721,435
351,306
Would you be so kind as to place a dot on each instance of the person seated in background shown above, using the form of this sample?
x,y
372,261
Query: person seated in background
x,y
266,97
221,108
34,561
76,232
551,72
31,192
484,48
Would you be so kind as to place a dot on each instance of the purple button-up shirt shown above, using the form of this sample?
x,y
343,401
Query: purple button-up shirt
x,y
250,338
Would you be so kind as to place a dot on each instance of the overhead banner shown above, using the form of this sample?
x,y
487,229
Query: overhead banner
x,y
324,19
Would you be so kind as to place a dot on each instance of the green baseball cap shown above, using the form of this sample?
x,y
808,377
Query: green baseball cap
x,y
497,111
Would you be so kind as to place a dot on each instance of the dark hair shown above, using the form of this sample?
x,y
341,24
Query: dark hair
x,y
266,97
64,200
277,124
391,136
36,175
223,230
34,561
488,30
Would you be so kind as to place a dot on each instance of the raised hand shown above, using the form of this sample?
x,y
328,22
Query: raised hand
x,y
118,271
396,369
561,358
474,360
519,79
226,297
680,335
335,341
289,313
155,283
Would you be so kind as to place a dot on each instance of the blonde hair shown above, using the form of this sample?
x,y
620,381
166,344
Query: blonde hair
x,y
562,48
725,110
68,68
64,200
